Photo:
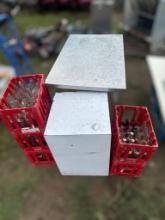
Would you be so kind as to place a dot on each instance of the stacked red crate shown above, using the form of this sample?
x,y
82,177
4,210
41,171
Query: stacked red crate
x,y
24,109
134,141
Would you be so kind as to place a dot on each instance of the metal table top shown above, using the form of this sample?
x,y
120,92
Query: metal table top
x,y
90,62
79,113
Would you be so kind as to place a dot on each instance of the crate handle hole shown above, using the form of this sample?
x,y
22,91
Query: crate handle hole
x,y
25,144
144,155
134,153
32,141
127,116
41,157
125,170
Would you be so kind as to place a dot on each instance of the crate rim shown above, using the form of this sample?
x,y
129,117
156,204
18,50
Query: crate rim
x,y
156,145
23,77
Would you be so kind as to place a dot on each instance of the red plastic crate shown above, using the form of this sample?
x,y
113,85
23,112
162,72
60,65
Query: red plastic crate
x,y
126,169
32,141
42,157
135,152
30,118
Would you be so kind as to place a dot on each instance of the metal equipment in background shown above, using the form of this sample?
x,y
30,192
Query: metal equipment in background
x,y
145,20
45,41
101,16
12,47
156,66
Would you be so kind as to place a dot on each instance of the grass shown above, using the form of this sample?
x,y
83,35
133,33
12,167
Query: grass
x,y
81,203
13,191
14,181
25,20
124,199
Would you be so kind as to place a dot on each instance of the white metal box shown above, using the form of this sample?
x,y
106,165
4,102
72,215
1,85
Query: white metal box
x,y
90,62
78,133
157,66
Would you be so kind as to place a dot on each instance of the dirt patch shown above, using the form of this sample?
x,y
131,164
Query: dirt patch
x,y
48,198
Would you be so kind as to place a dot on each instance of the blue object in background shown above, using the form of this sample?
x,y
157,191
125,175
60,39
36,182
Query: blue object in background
x,y
158,121
12,47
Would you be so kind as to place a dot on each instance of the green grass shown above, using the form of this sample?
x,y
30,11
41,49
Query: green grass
x,y
25,20
81,203
16,177
14,187
119,198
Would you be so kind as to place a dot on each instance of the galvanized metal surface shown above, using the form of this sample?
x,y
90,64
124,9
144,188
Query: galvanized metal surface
x,y
90,62
158,30
78,133
130,16
101,16
83,165
79,113
134,8
153,11
157,66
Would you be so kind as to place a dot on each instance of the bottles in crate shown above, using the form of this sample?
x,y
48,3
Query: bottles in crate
x,y
24,109
25,104
35,148
134,140
32,141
